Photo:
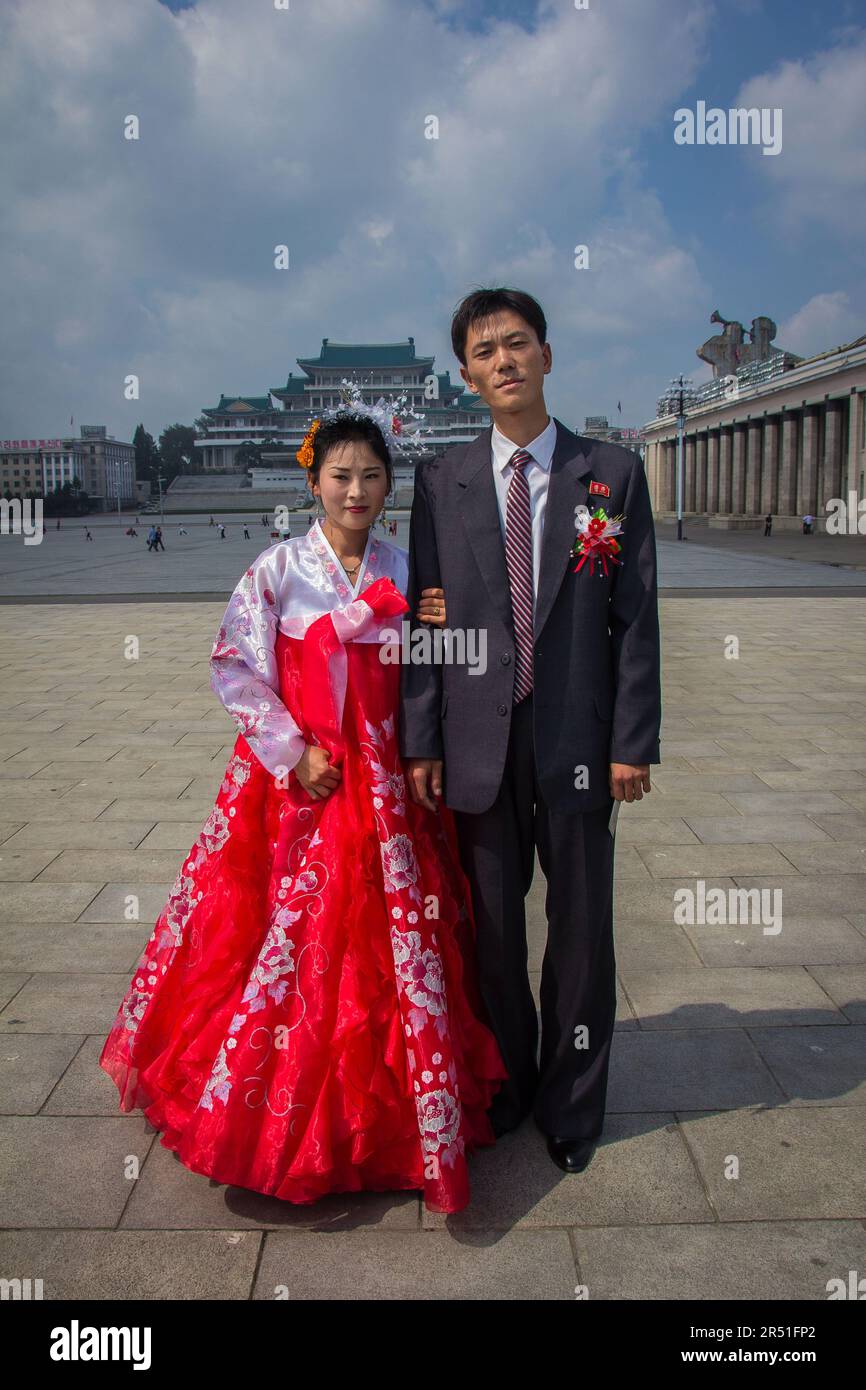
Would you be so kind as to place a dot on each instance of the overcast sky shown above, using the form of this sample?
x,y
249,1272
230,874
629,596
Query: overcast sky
x,y
262,126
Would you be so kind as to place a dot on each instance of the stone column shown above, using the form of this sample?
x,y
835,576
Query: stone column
x,y
855,434
787,503
712,471
754,431
807,481
738,471
689,478
725,449
701,474
666,499
770,465
833,422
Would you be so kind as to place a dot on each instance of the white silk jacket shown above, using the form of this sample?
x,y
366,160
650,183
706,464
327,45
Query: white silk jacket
x,y
287,588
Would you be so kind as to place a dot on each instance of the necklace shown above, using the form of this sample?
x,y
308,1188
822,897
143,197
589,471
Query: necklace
x,y
349,572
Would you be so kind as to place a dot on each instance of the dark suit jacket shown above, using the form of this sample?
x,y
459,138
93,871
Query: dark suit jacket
x,y
596,693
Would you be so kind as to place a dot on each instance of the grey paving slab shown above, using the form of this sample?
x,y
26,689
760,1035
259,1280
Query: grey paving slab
x,y
82,1088
846,986
704,860
153,810
31,1066
687,1069
136,866
57,835
727,997
821,1066
110,903
754,830
372,1264
64,1003
67,1171
168,1196
46,902
749,1260
67,947
11,984
801,941
135,1265
640,1171
20,865
796,1162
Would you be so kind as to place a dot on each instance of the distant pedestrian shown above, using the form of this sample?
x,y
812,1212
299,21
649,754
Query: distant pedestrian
x,y
211,522
807,525
151,538
222,532
264,519
159,543
58,523
182,531
246,532
87,535
768,523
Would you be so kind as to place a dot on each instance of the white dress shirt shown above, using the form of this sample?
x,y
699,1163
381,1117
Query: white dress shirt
x,y
537,476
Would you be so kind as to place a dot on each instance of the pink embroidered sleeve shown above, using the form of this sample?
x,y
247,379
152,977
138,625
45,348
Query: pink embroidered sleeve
x,y
244,673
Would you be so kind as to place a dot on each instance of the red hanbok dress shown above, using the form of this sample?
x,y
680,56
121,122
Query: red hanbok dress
x,y
305,1018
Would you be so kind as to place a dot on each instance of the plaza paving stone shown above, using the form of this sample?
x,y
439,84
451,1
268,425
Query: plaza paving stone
x,y
729,1041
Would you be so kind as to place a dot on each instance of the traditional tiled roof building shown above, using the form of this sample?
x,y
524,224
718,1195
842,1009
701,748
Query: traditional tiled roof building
x,y
451,414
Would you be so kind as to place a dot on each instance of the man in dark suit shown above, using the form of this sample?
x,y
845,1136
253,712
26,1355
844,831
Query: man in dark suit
x,y
563,722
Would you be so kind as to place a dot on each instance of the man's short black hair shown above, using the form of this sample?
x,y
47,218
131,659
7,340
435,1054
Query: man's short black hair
x,y
480,304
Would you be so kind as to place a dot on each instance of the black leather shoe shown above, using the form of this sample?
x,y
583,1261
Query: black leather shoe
x,y
571,1155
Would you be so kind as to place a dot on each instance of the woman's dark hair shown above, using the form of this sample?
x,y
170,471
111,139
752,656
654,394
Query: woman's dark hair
x,y
480,304
346,429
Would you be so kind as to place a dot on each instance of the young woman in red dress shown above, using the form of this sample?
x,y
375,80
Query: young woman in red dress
x,y
305,1018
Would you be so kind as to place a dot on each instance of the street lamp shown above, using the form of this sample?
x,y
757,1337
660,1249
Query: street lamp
x,y
159,483
681,394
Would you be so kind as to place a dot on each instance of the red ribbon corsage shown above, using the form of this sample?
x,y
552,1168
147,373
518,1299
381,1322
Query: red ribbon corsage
x,y
596,539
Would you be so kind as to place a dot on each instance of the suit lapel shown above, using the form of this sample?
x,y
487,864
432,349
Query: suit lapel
x,y
480,514
565,490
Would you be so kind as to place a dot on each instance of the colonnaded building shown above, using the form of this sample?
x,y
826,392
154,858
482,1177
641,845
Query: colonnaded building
x,y
771,432
282,417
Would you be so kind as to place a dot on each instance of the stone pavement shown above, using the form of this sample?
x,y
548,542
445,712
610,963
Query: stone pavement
x,y
64,564
732,1044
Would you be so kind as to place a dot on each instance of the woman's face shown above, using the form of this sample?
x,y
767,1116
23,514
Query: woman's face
x,y
352,484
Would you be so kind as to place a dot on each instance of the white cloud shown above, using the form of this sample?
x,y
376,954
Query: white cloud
x,y
824,321
306,127
819,178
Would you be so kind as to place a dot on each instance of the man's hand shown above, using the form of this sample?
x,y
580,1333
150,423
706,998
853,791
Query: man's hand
x,y
628,781
431,607
316,774
419,773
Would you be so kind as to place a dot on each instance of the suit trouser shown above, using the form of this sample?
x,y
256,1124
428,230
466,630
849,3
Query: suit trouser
x,y
567,1089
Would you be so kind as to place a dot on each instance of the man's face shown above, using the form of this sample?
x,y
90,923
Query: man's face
x,y
505,363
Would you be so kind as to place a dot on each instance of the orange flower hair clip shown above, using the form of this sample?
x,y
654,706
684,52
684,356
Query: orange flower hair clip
x,y
305,453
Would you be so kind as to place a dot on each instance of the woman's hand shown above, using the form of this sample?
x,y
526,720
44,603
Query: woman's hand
x,y
316,773
431,607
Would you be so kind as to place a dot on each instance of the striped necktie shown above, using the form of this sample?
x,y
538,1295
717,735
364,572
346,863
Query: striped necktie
x,y
518,559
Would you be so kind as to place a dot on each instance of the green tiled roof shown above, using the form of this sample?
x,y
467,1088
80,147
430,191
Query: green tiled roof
x,y
242,404
468,401
293,387
355,355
